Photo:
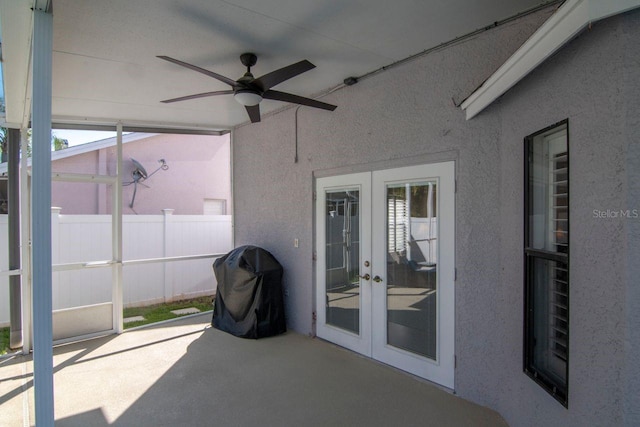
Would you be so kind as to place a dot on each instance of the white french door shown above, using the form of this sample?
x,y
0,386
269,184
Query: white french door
x,y
385,273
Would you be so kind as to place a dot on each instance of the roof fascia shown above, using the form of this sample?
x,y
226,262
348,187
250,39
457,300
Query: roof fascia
x,y
570,18
96,145
87,148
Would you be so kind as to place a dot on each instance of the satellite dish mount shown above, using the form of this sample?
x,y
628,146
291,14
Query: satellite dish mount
x,y
140,175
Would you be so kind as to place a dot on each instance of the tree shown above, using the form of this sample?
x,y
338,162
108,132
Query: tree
x,y
56,144
59,143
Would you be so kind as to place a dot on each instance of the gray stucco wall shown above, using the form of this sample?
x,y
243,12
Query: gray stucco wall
x,y
407,113
590,81
631,135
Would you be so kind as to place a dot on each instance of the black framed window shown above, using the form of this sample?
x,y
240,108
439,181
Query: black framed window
x,y
546,252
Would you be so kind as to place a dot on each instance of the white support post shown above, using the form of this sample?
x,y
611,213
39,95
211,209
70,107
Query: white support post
x,y
116,239
168,269
25,236
102,189
41,202
15,292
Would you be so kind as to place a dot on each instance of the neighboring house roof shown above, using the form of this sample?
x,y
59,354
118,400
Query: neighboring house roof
x,y
571,18
88,147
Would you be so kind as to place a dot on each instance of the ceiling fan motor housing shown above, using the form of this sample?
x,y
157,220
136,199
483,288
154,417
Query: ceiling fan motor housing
x,y
248,59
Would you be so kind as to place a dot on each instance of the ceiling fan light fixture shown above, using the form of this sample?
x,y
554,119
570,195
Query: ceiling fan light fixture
x,y
247,97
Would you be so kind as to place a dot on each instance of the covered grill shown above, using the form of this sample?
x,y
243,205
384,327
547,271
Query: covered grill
x,y
249,301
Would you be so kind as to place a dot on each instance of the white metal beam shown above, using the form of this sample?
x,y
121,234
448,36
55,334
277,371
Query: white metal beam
x,y
15,293
116,236
560,28
10,273
81,177
25,235
42,5
41,218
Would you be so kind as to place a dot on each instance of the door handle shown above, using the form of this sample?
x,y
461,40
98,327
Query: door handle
x,y
377,279
366,277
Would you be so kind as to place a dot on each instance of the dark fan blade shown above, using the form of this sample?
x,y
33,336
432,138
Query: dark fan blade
x,y
289,97
271,79
217,76
199,95
254,113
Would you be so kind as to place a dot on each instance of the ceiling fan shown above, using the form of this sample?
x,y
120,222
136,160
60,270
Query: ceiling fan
x,y
249,91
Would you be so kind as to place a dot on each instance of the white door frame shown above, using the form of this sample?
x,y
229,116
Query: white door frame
x,y
371,341
441,370
361,342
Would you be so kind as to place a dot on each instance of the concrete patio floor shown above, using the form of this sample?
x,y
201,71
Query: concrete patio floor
x,y
187,373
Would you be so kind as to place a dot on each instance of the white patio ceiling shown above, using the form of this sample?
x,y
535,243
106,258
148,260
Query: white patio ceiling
x,y
104,52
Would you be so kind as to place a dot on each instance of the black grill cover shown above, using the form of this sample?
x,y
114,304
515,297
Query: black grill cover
x,y
249,302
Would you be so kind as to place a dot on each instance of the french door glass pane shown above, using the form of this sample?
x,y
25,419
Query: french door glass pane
x,y
412,257
342,216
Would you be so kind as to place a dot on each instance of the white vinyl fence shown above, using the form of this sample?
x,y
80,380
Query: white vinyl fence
x,y
87,239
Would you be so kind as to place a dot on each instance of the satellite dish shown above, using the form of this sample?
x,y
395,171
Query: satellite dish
x,y
140,174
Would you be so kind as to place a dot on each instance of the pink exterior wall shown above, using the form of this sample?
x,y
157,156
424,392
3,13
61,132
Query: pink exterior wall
x,y
77,198
199,169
